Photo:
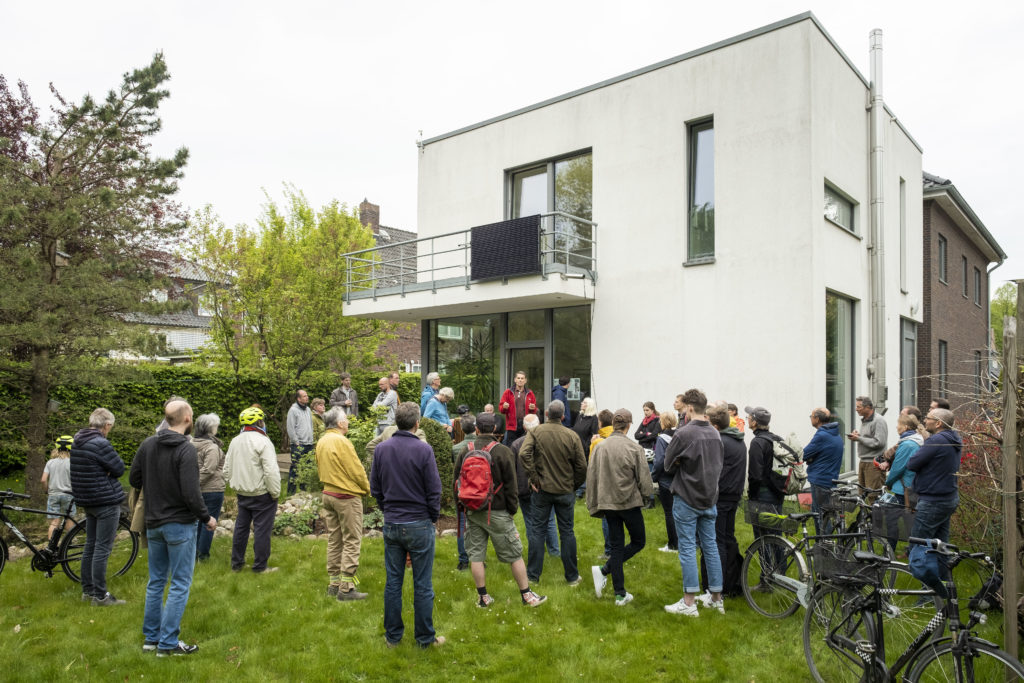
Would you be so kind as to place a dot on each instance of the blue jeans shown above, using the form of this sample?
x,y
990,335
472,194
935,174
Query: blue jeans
x,y
563,504
931,521
297,450
689,523
214,500
551,538
172,557
100,532
416,539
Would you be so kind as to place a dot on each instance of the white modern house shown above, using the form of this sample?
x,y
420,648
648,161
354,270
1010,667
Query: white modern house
x,y
744,218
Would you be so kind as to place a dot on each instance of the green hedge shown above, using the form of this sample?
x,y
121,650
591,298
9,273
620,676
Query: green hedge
x,y
137,403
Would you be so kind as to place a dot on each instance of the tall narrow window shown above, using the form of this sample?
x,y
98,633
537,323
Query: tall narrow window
x,y
977,287
908,363
963,260
839,363
903,238
942,260
701,228
943,368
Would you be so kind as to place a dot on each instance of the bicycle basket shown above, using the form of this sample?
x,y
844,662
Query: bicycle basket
x,y
892,521
767,519
830,564
834,504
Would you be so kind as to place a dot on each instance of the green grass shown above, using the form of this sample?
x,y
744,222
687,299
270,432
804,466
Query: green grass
x,y
281,626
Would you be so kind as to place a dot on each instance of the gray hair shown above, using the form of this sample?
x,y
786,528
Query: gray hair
x,y
530,421
555,410
334,417
407,414
822,415
447,392
945,417
588,406
206,425
865,401
432,376
100,418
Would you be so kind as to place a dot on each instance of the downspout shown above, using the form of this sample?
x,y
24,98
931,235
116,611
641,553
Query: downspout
x,y
876,352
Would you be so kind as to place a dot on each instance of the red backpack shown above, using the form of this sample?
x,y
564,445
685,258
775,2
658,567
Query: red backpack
x,y
475,485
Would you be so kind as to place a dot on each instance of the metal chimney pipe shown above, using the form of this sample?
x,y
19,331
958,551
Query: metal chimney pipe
x,y
876,358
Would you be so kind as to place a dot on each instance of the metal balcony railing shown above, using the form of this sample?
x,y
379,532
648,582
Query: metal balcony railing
x,y
567,246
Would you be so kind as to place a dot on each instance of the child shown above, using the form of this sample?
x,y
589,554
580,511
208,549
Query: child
x,y
57,479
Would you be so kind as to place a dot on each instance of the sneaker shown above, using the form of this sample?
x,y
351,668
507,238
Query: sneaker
x,y
149,646
621,600
390,645
668,549
705,598
463,566
349,595
180,649
531,599
266,570
485,601
86,597
438,642
682,608
332,590
106,601
600,580
575,582
718,606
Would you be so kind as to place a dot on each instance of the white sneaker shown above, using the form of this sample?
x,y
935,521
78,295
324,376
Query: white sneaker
x,y
710,603
624,600
705,598
600,580
682,608
666,549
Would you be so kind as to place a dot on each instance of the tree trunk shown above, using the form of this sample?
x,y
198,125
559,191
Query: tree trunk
x,y
35,433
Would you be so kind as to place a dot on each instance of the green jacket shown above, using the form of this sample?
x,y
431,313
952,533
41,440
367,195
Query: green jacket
x,y
553,459
618,477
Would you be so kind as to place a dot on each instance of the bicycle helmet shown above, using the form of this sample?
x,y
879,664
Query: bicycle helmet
x,y
250,416
63,443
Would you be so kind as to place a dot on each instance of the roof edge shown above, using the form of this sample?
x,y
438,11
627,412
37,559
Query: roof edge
x,y
962,204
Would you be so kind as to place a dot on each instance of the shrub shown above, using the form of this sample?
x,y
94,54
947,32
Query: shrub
x,y
441,442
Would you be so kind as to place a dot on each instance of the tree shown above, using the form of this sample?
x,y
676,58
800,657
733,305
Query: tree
x,y
280,309
83,207
1004,303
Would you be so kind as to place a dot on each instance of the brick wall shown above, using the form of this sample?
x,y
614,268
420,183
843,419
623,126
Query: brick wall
x,y
948,315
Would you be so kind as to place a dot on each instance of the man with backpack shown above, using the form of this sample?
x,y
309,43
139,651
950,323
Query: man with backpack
x,y
487,492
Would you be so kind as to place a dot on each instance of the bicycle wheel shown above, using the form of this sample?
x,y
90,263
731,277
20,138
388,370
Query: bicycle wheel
x,y
773,571
831,625
905,617
981,662
122,555
3,555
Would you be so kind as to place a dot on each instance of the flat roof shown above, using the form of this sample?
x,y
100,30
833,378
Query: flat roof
x,y
805,16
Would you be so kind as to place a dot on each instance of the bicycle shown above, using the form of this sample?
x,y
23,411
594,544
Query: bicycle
x,y
63,550
844,629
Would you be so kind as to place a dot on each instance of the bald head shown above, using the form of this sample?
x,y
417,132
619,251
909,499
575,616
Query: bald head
x,y
178,414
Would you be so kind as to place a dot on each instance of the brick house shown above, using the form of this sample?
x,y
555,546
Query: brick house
x,y
953,339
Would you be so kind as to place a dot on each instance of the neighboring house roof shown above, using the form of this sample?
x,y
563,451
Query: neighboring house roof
x,y
180,319
386,235
944,192
805,16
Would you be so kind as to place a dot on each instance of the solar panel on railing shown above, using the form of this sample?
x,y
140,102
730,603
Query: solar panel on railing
x,y
505,249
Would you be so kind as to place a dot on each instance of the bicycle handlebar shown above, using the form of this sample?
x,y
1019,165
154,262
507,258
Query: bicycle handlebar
x,y
12,494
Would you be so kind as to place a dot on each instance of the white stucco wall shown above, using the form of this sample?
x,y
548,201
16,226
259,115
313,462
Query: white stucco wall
x,y
789,112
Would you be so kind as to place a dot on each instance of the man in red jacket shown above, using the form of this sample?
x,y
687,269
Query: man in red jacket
x,y
515,404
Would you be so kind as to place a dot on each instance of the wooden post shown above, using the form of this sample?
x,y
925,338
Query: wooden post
x,y
1011,566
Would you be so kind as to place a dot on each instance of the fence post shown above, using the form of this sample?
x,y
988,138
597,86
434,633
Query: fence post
x,y
1011,565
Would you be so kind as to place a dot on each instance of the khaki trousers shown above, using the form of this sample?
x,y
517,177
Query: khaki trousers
x,y
870,476
344,536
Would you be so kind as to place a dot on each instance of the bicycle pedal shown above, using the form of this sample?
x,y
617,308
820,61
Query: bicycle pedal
x,y
866,646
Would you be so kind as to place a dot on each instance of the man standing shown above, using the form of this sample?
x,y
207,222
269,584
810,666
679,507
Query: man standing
x,y
935,464
405,482
459,450
387,398
250,468
345,484
695,459
393,381
763,489
560,392
554,463
824,457
730,491
430,390
300,434
516,402
525,492
939,403
495,521
870,440
345,396
317,404
95,470
166,468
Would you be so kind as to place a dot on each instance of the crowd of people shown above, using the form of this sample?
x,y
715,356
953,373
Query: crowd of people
x,y
694,459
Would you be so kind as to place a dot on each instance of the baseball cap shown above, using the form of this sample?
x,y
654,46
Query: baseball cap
x,y
485,422
760,415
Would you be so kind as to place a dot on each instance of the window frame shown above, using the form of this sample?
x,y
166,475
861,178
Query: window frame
x,y
977,287
943,363
966,284
693,130
943,260
832,188
548,165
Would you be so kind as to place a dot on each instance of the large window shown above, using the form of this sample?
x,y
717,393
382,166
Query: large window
x,y
465,352
839,208
943,368
701,219
943,248
570,334
559,185
839,363
908,363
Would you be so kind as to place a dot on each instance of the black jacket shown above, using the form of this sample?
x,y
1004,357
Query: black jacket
x,y
585,428
167,470
647,433
95,468
734,469
759,475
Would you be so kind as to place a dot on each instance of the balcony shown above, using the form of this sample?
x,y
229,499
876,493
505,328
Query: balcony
x,y
540,261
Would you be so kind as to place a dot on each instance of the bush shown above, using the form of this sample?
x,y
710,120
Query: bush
x,y
441,442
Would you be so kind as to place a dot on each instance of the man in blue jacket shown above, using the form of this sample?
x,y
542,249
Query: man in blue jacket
x,y
936,464
824,458
560,392
95,470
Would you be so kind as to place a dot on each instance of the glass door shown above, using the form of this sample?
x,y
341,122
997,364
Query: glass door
x,y
531,361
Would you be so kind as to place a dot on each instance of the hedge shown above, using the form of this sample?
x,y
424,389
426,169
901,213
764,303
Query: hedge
x,y
137,404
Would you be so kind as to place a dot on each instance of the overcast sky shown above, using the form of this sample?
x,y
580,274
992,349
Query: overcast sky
x,y
332,96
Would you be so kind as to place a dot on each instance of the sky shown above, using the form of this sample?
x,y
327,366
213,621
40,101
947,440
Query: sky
x,y
332,96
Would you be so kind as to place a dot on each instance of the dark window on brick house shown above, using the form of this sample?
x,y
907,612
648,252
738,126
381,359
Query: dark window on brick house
x,y
943,247
943,369
963,260
977,287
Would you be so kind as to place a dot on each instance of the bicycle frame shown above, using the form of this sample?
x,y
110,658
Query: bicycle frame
x,y
52,544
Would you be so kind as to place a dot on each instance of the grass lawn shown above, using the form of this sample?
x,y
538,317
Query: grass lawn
x,y
281,626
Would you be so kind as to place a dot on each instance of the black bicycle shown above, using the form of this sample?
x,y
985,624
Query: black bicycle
x,y
65,550
845,628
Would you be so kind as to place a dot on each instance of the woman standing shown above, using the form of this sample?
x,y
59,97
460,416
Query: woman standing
x,y
668,422
210,452
900,478
646,435
586,423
